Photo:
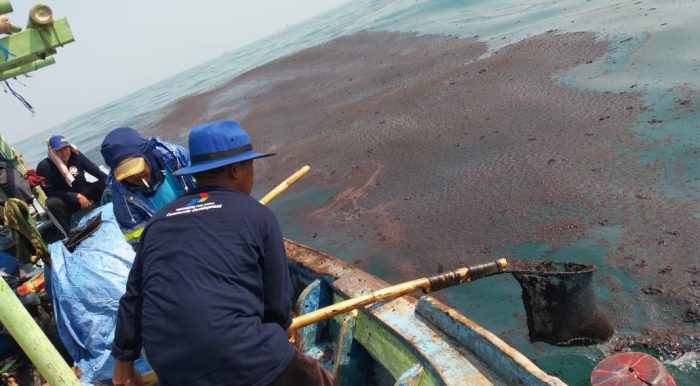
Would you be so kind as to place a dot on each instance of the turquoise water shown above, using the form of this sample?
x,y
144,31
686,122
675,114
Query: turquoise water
x,y
654,52
497,304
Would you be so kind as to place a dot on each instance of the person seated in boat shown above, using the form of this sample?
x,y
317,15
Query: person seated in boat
x,y
142,180
209,295
67,190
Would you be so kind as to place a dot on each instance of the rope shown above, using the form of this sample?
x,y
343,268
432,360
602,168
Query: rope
x,y
18,96
29,245
474,272
482,270
56,223
6,53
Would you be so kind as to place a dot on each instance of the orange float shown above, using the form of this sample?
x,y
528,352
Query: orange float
x,y
631,368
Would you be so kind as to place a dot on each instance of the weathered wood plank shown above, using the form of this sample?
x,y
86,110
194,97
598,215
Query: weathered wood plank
x,y
314,296
387,349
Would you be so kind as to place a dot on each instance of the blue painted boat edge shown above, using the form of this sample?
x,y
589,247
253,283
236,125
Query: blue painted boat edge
x,y
502,358
436,352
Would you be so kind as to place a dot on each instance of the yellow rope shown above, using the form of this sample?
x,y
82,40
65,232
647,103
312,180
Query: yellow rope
x,y
29,245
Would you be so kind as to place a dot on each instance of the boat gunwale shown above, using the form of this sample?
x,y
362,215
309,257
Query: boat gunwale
x,y
332,269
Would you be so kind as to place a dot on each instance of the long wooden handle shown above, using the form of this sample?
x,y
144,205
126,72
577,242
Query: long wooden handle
x,y
434,283
285,184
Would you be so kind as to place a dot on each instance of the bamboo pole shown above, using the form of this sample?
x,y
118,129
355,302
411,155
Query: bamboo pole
x,y
284,185
35,344
434,283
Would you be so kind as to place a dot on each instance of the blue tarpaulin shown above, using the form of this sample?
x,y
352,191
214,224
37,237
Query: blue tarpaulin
x,y
86,286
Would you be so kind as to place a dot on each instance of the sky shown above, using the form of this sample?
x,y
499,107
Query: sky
x,y
122,46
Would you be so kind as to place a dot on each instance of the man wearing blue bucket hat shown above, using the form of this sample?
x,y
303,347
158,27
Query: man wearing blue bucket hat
x,y
209,294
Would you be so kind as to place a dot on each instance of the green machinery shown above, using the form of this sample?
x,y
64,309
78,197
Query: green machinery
x,y
26,50
23,51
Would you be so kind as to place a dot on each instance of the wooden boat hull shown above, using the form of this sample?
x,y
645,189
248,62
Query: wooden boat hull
x,y
406,341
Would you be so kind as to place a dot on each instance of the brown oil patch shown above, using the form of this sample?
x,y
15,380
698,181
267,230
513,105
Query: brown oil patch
x,y
348,200
474,153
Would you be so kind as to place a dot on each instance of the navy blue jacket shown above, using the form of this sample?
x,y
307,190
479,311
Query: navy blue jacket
x,y
209,295
55,184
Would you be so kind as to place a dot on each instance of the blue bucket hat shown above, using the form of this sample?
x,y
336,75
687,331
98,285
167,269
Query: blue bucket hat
x,y
215,144
58,142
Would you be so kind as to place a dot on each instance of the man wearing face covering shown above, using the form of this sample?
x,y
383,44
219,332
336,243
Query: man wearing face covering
x,y
66,188
142,181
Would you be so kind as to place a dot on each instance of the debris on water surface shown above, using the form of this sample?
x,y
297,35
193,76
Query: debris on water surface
x,y
652,290
660,343
692,315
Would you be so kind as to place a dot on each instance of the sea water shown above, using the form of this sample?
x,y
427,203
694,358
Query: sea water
x,y
655,51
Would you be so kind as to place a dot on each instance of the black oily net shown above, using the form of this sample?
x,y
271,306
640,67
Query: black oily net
x,y
560,303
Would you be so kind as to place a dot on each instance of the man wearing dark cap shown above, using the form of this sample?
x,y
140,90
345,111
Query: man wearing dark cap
x,y
142,178
209,295
66,188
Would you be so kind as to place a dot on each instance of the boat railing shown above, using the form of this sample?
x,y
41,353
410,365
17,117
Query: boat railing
x,y
504,360
426,328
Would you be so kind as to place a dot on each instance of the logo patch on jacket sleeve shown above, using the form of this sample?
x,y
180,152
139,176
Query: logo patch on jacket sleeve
x,y
197,204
